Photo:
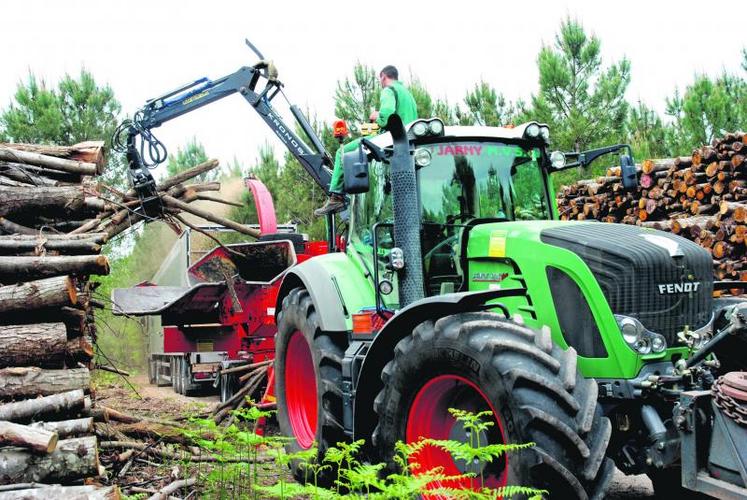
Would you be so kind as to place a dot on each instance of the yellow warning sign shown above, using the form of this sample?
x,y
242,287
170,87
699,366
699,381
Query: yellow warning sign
x,y
497,244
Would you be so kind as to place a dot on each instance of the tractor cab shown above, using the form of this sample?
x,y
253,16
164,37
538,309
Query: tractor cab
x,y
465,176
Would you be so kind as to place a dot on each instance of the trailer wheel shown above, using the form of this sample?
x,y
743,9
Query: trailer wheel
x,y
186,374
152,373
228,386
483,362
174,364
308,379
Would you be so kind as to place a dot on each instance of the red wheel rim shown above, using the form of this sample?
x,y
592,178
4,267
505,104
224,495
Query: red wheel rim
x,y
429,417
300,390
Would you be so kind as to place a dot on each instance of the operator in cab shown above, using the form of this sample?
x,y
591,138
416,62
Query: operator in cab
x,y
395,98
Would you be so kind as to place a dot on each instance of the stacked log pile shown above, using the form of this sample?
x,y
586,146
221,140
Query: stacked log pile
x,y
702,197
55,216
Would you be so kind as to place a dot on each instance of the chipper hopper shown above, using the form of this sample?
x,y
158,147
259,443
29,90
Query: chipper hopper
x,y
224,314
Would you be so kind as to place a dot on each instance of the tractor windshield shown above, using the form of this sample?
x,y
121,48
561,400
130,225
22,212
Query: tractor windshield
x,y
458,181
482,179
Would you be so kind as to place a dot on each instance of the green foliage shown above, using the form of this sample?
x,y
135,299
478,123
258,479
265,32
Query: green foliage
x,y
442,109
646,132
357,97
191,155
77,110
238,471
583,103
486,107
706,110
423,99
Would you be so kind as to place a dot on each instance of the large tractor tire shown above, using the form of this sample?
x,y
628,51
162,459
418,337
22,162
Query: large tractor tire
x,y
308,382
483,362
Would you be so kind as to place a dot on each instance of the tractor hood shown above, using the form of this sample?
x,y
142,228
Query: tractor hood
x,y
663,280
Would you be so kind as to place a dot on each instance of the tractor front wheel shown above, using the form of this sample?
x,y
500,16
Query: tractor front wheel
x,y
481,362
308,382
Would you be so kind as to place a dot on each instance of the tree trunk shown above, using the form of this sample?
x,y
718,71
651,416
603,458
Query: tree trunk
x,y
87,152
58,492
29,176
241,228
72,459
50,292
29,268
186,175
38,440
29,200
71,247
67,428
40,236
42,344
64,403
72,166
79,349
31,381
11,227
75,320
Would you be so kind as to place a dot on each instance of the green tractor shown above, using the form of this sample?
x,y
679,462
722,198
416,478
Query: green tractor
x,y
458,287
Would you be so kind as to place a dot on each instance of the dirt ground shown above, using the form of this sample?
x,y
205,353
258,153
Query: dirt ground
x,y
162,402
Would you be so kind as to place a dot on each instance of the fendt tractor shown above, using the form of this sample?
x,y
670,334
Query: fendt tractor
x,y
454,285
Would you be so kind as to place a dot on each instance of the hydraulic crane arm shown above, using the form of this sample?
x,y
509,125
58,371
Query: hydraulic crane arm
x,y
314,159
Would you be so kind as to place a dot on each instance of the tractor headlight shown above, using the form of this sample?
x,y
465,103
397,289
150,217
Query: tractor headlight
x,y
630,329
557,160
436,127
545,133
397,258
422,157
638,337
419,129
532,131
386,287
658,343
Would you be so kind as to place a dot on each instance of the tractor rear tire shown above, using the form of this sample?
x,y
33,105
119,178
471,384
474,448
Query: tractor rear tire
x,y
484,362
308,382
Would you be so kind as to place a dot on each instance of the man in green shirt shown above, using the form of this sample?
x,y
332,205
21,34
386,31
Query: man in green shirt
x,y
395,98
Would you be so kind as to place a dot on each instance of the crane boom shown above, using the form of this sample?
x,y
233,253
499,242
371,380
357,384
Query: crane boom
x,y
313,158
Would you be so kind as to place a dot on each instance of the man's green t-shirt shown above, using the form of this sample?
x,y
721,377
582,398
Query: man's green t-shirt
x,y
403,103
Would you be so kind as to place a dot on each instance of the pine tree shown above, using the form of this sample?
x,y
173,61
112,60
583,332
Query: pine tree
x,y
357,97
706,110
647,134
192,154
583,103
486,107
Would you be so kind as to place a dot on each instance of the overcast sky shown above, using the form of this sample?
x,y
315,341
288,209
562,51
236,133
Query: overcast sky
x,y
145,48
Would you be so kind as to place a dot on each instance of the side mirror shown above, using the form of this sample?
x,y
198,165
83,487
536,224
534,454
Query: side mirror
x,y
355,167
628,172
